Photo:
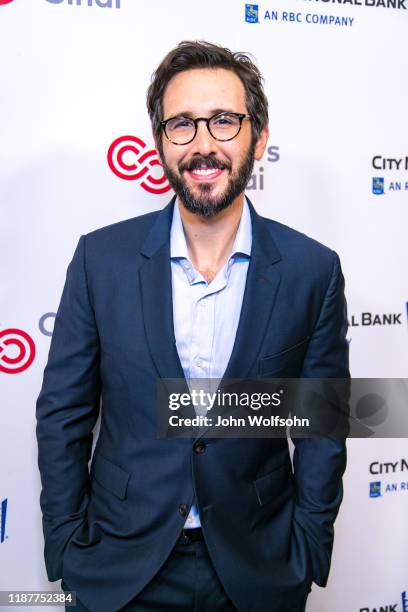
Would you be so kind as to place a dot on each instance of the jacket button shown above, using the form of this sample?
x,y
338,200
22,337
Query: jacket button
x,y
183,509
199,447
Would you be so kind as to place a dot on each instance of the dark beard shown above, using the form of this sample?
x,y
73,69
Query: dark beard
x,y
204,205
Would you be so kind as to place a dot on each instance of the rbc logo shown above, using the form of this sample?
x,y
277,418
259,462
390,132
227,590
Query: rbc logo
x,y
3,513
375,489
251,13
378,185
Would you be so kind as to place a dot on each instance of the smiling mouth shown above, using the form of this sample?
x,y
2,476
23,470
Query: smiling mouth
x,y
205,174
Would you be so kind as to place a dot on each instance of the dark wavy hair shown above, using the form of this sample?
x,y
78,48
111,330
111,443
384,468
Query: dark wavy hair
x,y
190,54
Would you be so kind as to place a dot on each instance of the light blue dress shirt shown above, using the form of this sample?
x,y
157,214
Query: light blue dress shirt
x,y
206,315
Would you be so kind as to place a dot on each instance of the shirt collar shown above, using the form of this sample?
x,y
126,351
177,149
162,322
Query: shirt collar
x,y
178,244
243,239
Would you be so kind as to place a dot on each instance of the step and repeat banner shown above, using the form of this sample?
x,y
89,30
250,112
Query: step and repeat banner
x,y
77,153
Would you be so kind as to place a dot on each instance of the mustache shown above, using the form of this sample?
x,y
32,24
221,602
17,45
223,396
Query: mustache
x,y
208,162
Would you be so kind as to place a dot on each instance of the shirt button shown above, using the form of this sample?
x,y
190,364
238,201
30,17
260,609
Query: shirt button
x,y
190,519
199,447
183,509
198,362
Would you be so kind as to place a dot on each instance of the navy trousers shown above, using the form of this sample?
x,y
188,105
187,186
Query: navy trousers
x,y
186,582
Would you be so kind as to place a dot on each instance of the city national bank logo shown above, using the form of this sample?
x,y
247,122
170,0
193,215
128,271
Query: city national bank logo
x,y
100,3
17,351
380,319
394,4
372,319
252,13
129,160
394,607
3,515
379,488
392,183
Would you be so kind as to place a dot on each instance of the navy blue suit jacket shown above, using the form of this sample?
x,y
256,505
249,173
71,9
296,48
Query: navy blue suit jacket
x,y
268,528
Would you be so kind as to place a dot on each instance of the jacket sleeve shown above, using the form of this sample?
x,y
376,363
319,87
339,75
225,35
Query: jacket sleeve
x,y
319,462
67,410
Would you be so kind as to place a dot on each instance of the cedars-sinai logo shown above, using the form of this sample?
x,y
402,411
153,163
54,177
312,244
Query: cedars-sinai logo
x,y
17,351
131,160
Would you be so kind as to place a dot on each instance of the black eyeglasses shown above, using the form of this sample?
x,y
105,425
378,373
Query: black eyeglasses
x,y
222,126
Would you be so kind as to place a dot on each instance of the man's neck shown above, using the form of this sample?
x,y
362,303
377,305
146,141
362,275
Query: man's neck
x,y
210,240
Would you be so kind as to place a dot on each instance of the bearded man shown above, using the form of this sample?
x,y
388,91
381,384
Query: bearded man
x,y
205,288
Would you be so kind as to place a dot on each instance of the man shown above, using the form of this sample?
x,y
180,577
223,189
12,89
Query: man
x,y
203,288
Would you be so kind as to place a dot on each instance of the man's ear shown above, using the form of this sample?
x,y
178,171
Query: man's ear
x,y
261,143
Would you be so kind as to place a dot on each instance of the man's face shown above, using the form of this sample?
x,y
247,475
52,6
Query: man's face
x,y
208,174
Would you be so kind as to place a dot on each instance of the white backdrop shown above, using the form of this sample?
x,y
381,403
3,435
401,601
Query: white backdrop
x,y
73,80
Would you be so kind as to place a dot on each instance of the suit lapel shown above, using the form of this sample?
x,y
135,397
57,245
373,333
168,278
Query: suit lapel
x,y
259,298
155,280
155,277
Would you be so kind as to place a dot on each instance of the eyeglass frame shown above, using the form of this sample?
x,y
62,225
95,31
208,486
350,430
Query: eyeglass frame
x,y
241,117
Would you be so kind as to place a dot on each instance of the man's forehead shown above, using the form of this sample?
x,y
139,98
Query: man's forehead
x,y
204,90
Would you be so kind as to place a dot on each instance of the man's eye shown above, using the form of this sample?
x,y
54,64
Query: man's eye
x,y
228,119
223,120
181,123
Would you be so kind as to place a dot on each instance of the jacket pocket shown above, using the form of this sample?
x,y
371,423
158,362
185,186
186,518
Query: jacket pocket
x,y
110,476
272,484
277,361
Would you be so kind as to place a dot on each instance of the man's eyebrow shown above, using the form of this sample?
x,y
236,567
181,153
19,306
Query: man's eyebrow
x,y
212,112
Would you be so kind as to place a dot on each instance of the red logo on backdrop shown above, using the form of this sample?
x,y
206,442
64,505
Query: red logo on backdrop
x,y
17,351
139,165
5,1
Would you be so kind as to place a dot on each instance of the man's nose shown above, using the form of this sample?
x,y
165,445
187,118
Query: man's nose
x,y
203,142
